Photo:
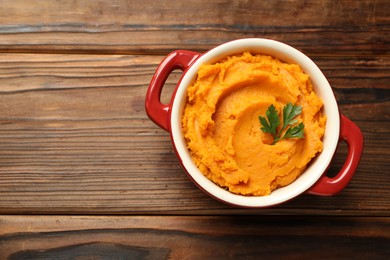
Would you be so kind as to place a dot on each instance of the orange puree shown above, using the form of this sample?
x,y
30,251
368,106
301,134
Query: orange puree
x,y
222,129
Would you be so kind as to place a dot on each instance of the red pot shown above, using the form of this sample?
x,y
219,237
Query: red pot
x,y
313,180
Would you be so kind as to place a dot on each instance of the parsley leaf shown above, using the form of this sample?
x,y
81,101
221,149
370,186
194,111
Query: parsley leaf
x,y
294,132
272,122
273,119
289,112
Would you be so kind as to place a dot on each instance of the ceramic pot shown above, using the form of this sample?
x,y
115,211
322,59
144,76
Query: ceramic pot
x,y
313,180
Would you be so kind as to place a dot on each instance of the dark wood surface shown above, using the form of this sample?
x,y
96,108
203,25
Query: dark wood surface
x,y
85,173
194,237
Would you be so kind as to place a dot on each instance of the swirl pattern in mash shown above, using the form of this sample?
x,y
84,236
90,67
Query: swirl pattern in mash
x,y
222,130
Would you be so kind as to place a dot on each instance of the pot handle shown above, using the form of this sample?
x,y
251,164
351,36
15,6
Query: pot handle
x,y
351,134
158,112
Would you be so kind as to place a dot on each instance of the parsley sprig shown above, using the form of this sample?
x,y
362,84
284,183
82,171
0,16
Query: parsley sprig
x,y
272,122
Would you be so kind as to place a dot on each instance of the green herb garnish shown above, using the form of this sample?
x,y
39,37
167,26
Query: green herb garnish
x,y
272,122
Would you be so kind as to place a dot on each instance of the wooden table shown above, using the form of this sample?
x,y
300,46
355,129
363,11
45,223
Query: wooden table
x,y
84,174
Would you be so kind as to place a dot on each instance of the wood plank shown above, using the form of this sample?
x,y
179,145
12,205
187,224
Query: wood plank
x,y
75,139
317,27
146,237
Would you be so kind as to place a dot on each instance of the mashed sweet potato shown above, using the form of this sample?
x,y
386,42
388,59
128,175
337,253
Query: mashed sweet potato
x,y
222,129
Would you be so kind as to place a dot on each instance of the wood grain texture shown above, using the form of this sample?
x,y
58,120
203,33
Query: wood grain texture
x,y
74,138
171,237
84,174
317,27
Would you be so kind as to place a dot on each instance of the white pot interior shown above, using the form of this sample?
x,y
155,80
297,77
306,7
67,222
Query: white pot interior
x,y
322,88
